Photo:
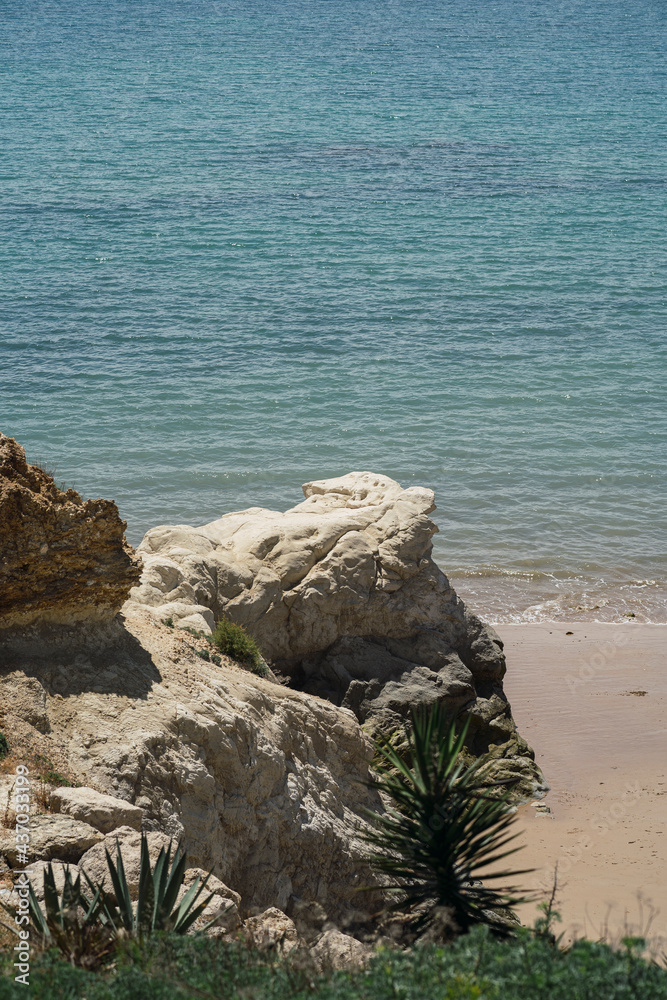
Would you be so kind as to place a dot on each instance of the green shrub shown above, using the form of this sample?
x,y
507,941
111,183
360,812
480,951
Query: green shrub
x,y
448,825
234,641
476,966
4,746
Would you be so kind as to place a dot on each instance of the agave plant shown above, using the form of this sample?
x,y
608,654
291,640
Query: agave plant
x,y
85,924
72,921
447,827
156,908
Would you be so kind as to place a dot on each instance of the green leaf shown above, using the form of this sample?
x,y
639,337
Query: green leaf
x,y
121,889
445,829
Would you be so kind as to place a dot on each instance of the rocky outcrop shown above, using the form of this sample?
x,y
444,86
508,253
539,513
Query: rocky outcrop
x,y
264,785
63,560
342,594
337,951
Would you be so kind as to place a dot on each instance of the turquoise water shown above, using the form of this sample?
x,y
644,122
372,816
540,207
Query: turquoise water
x,y
245,245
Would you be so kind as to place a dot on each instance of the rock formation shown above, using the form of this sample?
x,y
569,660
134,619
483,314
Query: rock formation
x,y
343,595
267,785
63,560
59,837
264,785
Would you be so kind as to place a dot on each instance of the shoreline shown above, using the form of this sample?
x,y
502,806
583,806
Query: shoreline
x,y
509,598
593,705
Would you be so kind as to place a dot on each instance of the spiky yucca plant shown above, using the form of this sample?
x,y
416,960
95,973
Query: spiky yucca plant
x,y
156,908
447,827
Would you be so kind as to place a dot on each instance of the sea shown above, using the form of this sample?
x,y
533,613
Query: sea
x,y
248,244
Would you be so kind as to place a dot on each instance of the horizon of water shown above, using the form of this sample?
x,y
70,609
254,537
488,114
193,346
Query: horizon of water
x,y
246,246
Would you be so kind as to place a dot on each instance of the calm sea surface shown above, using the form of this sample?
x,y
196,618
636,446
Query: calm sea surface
x,y
245,245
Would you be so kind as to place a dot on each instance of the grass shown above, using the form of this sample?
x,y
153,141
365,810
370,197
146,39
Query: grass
x,y
44,778
476,966
44,769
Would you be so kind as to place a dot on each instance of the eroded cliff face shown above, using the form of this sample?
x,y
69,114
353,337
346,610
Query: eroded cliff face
x,y
263,784
63,560
343,595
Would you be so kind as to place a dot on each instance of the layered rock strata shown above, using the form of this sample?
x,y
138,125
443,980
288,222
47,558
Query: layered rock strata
x,y
63,560
343,595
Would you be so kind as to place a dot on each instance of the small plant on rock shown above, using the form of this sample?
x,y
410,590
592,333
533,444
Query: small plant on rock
x,y
446,827
47,773
4,746
234,641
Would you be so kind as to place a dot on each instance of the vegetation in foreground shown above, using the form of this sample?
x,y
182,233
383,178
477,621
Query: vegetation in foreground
x,y
85,923
477,966
447,827
447,822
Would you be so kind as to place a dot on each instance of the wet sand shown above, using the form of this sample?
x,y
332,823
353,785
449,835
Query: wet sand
x,y
593,705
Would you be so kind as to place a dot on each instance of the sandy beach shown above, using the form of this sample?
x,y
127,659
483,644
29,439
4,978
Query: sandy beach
x,y
591,699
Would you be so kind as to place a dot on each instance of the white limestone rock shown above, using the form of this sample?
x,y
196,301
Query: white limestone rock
x,y
182,613
52,837
104,812
341,592
352,559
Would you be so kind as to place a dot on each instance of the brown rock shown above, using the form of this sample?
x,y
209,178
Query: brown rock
x,y
62,559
